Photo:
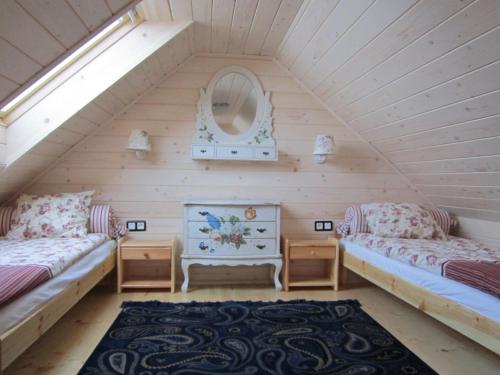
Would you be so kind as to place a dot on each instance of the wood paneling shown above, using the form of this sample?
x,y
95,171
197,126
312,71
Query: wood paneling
x,y
88,119
251,27
34,35
154,188
419,81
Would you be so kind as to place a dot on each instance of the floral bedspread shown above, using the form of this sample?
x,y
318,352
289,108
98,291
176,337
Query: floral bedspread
x,y
25,264
460,259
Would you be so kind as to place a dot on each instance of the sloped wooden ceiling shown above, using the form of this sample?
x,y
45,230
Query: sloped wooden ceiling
x,y
419,80
97,112
250,27
36,34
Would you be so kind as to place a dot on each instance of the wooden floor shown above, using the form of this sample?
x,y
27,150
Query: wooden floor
x,y
65,347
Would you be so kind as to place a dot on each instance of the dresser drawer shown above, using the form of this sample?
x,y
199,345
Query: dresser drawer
x,y
243,213
252,247
250,229
312,253
265,153
203,151
145,253
228,152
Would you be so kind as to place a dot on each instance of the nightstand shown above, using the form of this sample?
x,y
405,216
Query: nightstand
x,y
306,250
146,264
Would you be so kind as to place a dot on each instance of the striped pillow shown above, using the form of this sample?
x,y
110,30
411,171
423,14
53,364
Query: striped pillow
x,y
443,218
354,222
6,216
102,219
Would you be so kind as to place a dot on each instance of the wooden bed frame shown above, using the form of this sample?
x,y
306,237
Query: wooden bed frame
x,y
467,322
19,338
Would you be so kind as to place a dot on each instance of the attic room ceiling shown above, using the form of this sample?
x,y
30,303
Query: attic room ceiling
x,y
35,35
416,79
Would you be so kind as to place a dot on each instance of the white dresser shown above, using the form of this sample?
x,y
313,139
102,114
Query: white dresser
x,y
231,233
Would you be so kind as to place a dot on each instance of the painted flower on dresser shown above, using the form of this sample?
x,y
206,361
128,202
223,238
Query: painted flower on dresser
x,y
224,230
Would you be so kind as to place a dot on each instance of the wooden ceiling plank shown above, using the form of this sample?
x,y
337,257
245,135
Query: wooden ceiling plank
x,y
373,22
464,87
338,22
123,91
222,16
58,18
80,125
7,86
261,25
93,13
117,5
478,52
244,13
202,15
155,10
181,10
22,30
462,165
138,80
455,32
420,19
284,17
15,65
311,20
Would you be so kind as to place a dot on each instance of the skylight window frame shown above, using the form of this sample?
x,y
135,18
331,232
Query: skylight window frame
x,y
60,67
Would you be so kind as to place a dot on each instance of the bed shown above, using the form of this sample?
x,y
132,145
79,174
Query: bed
x,y
452,279
74,266
470,311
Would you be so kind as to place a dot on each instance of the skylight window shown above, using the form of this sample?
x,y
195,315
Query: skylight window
x,y
40,82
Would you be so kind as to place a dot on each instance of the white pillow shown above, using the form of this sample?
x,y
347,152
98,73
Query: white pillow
x,y
59,215
401,220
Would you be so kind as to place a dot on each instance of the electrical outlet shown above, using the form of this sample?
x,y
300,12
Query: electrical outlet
x,y
136,225
323,225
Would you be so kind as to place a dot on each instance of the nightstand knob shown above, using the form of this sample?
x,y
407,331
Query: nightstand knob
x,y
261,230
146,255
260,247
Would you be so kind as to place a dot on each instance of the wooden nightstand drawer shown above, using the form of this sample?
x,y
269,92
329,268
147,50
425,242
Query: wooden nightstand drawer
x,y
145,253
312,253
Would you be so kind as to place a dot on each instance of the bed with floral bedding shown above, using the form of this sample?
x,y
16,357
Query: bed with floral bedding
x,y
25,264
459,259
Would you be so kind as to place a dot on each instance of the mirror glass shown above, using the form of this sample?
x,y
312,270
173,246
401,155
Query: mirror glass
x,y
234,103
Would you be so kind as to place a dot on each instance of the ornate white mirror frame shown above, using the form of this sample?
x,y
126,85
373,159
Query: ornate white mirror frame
x,y
256,143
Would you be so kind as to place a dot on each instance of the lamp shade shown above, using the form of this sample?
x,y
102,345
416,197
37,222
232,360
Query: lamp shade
x,y
324,145
139,140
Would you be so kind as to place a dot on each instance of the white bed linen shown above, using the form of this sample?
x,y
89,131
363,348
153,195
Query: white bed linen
x,y
25,305
476,300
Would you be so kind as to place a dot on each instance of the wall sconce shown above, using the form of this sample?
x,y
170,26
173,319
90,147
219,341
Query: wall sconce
x,y
139,142
323,146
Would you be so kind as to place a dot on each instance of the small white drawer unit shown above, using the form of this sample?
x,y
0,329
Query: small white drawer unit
x,y
231,233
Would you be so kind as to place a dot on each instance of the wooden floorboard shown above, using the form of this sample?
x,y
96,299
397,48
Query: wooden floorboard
x,y
64,348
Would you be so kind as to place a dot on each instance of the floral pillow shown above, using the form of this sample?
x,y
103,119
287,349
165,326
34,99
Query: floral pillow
x,y
401,220
59,215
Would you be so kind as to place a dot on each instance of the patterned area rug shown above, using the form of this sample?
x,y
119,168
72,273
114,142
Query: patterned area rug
x,y
296,337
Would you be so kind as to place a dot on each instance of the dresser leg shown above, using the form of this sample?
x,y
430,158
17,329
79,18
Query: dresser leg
x,y
277,270
185,271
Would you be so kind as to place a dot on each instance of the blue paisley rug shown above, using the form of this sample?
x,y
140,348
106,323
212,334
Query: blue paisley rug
x,y
245,338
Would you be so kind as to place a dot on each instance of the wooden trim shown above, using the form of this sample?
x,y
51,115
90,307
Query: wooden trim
x,y
477,327
17,339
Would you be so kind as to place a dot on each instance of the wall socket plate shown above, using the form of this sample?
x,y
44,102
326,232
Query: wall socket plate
x,y
136,225
323,226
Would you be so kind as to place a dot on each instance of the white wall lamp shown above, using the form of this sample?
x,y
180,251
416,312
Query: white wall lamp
x,y
323,146
139,142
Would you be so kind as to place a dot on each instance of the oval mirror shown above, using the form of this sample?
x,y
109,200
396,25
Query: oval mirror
x,y
234,103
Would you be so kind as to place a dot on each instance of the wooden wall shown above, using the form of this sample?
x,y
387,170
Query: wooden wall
x,y
420,81
153,189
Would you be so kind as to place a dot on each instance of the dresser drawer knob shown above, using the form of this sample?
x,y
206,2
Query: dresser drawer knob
x,y
265,153
203,151
146,255
260,247
261,230
234,152
203,246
